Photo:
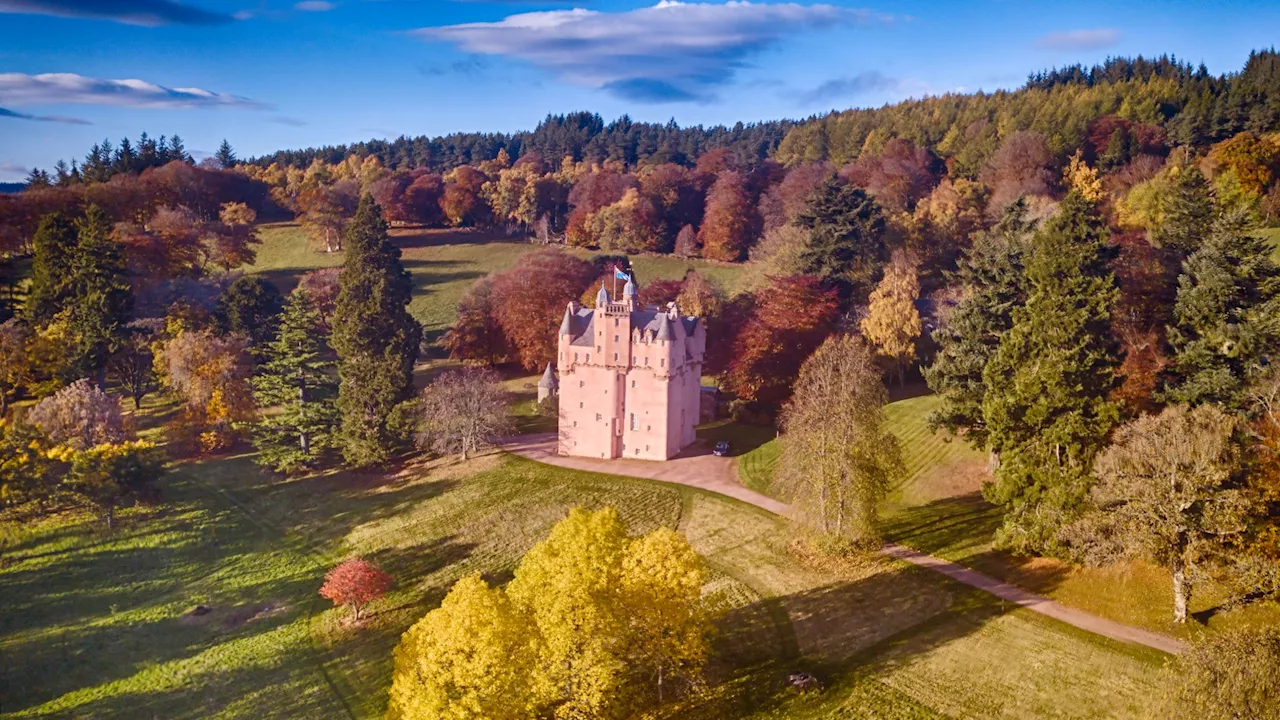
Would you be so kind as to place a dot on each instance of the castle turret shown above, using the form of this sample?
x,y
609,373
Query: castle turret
x,y
566,325
629,294
548,385
602,297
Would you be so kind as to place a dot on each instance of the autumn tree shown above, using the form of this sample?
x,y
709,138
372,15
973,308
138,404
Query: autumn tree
x,y
355,582
790,320
837,459
375,337
1168,492
594,600
81,416
1226,318
15,366
893,323
462,411
296,383
846,237
660,292
54,246
325,211
477,334
132,364
897,176
700,296
461,200
782,203
210,372
1226,675
529,301
1046,407
687,243
993,279
1020,167
111,475
469,659
323,286
729,221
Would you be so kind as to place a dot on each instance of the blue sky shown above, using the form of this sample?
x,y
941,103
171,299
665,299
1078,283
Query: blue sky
x,y
267,74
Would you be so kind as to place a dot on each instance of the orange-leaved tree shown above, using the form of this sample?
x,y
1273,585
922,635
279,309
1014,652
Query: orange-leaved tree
x,y
355,582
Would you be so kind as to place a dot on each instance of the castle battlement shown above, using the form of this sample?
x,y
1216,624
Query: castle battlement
x,y
629,378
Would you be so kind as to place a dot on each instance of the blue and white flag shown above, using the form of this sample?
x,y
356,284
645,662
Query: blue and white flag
x,y
619,275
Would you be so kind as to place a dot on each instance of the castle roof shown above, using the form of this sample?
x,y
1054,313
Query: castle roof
x,y
548,378
602,297
581,325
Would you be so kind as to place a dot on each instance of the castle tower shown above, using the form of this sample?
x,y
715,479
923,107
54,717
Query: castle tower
x,y
547,385
630,378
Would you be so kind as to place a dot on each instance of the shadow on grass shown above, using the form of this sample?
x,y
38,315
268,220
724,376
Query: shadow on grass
x,y
834,632
408,237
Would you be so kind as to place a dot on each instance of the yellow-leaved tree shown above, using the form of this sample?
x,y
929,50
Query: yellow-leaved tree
x,y
594,625
892,323
465,660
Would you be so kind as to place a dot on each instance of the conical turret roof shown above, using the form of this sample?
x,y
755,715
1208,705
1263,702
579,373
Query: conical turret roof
x,y
548,378
566,325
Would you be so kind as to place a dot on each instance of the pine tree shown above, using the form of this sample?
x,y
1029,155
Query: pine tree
x,y
225,156
995,282
1046,405
55,248
1187,212
374,335
101,298
846,237
297,379
1226,318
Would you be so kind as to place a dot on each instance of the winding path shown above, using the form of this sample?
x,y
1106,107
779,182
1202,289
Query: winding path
x,y
697,467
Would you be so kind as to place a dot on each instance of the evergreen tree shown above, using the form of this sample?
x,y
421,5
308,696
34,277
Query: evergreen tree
x,y
101,299
1046,406
178,151
251,306
225,156
376,338
1187,211
846,237
55,249
994,280
1226,318
297,380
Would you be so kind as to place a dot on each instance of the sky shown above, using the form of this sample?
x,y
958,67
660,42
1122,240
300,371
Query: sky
x,y
272,74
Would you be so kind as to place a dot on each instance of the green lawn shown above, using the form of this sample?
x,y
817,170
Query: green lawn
x,y
939,509
444,263
102,623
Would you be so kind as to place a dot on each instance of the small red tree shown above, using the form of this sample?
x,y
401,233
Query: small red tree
x,y
355,582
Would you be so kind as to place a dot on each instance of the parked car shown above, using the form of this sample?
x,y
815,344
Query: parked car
x,y
721,448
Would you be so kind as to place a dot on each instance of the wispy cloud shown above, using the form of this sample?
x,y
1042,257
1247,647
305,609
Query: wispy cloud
x,y
13,170
314,6
1095,39
844,88
671,52
130,12
7,113
470,67
60,88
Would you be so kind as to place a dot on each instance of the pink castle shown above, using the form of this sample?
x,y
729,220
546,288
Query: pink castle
x,y
630,378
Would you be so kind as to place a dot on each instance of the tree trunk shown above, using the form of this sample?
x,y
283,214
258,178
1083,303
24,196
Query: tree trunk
x,y
659,685
111,517
1181,591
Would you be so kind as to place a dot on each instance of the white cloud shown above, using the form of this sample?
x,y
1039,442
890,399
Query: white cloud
x,y
315,6
1095,39
672,51
59,88
845,88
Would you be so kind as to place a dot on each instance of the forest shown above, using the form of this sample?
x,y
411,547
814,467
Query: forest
x,y
1083,270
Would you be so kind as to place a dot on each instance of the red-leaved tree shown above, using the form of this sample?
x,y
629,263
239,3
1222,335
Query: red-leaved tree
x,y
730,220
792,317
529,300
355,582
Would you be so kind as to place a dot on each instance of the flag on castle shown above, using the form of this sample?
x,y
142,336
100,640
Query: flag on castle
x,y
619,275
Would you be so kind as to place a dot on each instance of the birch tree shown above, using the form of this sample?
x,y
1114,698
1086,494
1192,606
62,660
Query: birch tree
x,y
838,460
463,410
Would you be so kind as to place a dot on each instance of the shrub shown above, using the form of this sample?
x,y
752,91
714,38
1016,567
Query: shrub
x,y
80,416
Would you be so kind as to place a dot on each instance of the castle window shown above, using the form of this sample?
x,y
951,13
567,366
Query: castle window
x,y
588,357
615,324
646,448
615,357
597,417
633,383
615,339
575,357
662,363
575,424
633,421
582,383
581,406
646,359
648,428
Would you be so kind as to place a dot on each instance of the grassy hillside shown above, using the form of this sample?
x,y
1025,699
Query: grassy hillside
x,y
939,509
444,263
106,624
